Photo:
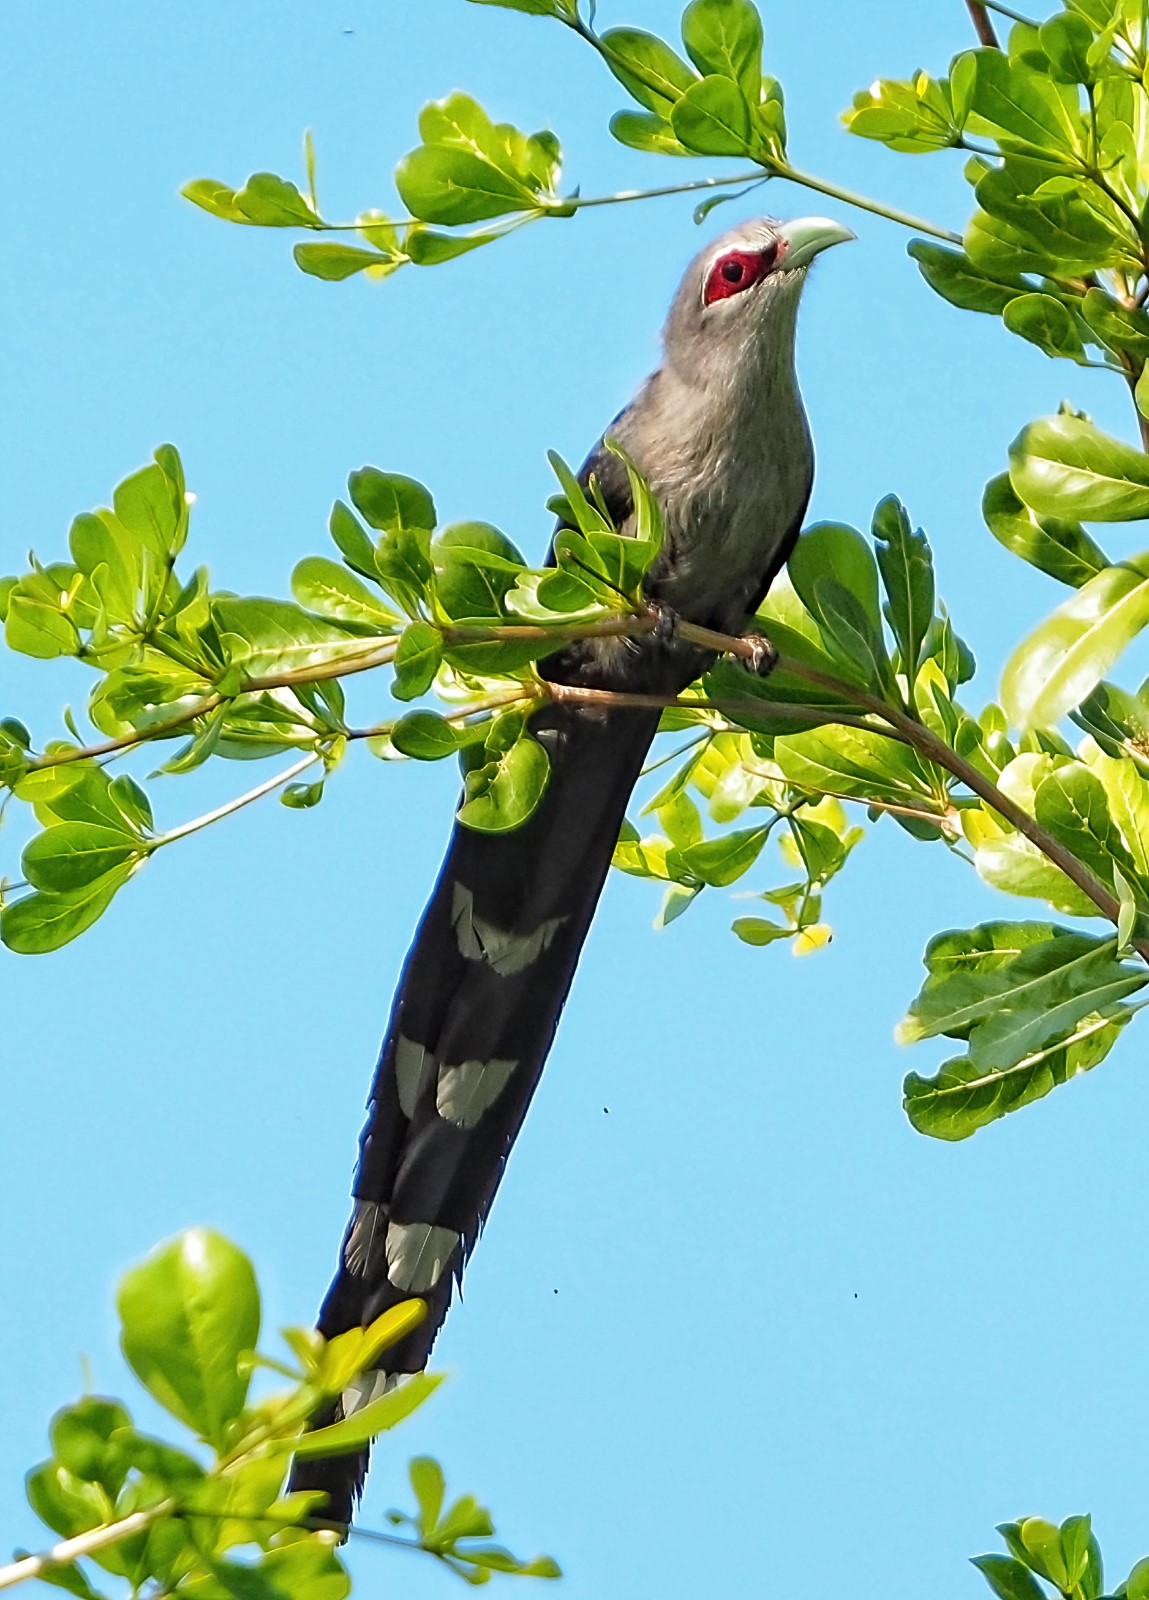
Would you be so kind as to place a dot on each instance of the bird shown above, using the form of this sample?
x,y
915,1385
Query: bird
x,y
720,435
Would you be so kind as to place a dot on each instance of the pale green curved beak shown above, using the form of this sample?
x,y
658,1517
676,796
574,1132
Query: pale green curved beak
x,y
807,237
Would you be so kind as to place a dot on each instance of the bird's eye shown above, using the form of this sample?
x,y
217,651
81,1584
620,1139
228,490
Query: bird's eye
x,y
736,270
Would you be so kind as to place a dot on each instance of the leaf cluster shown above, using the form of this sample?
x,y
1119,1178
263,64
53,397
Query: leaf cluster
x,y
208,1518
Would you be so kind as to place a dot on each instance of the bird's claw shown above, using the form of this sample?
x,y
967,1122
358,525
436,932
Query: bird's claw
x,y
666,620
761,657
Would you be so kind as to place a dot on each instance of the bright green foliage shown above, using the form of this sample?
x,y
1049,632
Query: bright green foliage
x,y
453,1532
862,706
1035,1003
1066,1558
189,1321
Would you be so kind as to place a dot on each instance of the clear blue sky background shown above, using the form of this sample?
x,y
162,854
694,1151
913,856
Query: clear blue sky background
x,y
747,1333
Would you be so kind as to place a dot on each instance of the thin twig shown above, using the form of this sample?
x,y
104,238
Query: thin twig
x,y
983,26
862,203
226,810
1005,11
84,1544
898,724
809,716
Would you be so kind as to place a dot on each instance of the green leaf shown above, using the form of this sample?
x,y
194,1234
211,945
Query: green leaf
x,y
647,68
1067,655
1045,322
855,763
1064,467
390,502
1127,793
351,539
73,855
1010,1012
1062,549
427,1481
1012,99
953,275
759,931
913,117
439,183
725,37
713,118
64,1502
1008,1579
907,569
403,565
646,130
258,635
216,198
961,963
424,736
469,169
475,568
963,1097
1076,1540
188,1313
1071,802
302,796
1067,40
375,1417
1030,222
1041,1543
834,572
334,262
722,861
328,588
151,506
307,1570
37,622
1119,722
1121,328
273,202
81,1436
427,248
501,793
42,922
71,1578
132,802
417,660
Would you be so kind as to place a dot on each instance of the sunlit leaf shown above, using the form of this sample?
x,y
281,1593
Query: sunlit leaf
x,y
1065,467
1067,655
188,1312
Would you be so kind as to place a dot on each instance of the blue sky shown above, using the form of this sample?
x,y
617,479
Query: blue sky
x,y
743,1332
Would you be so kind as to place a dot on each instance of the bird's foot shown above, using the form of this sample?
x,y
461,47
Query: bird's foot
x,y
666,621
761,657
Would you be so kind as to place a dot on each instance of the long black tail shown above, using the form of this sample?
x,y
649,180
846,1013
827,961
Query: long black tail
x,y
473,1018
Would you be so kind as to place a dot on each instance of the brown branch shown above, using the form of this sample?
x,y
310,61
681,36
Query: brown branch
x,y
936,750
807,716
898,724
983,26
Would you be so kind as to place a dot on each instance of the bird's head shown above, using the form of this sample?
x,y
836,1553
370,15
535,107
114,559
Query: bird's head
x,y
740,293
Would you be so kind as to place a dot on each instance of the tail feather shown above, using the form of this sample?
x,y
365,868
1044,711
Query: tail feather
x,y
477,1006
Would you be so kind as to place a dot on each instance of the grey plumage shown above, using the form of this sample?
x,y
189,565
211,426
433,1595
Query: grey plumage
x,y
720,434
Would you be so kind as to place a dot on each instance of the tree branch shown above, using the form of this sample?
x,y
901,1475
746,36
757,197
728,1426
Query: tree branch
x,y
983,26
71,1550
898,725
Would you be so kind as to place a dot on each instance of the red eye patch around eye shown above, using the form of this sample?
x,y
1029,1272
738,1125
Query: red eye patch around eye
x,y
735,271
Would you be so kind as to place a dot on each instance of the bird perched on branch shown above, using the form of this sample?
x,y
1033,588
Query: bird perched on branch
x,y
720,435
